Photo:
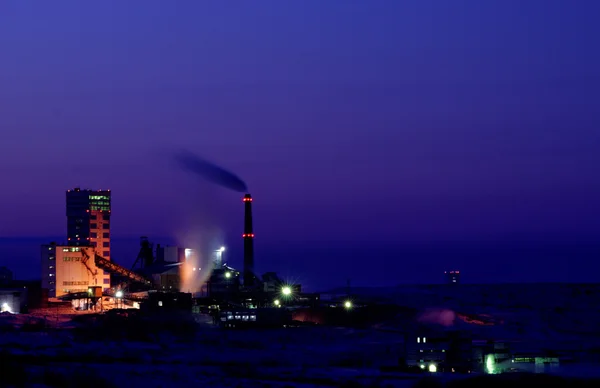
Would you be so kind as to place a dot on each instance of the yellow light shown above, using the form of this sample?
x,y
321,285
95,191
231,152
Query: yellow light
x,y
348,304
432,368
276,302
228,274
286,291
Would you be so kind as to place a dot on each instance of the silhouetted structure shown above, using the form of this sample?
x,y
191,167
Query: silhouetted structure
x,y
439,349
248,236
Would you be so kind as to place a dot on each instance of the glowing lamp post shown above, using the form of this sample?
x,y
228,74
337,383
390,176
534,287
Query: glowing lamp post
x,y
119,296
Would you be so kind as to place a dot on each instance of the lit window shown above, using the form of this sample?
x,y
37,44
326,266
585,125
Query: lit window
x,y
418,340
51,275
424,339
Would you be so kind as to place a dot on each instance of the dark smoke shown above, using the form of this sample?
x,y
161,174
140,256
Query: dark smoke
x,y
210,171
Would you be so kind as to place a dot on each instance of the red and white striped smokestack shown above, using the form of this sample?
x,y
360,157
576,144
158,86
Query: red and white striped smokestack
x,y
248,242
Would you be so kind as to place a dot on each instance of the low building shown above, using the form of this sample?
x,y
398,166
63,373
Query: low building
x,y
13,300
70,269
262,317
533,363
438,349
491,356
166,275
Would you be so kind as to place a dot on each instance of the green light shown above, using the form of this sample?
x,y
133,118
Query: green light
x,y
490,364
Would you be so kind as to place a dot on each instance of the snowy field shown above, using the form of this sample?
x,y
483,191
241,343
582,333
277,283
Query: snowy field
x,y
63,349
77,350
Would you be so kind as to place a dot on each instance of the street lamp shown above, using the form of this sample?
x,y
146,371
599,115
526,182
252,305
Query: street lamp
x,y
286,291
119,295
276,302
348,305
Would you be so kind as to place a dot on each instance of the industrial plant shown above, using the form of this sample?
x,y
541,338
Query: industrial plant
x,y
83,273
165,287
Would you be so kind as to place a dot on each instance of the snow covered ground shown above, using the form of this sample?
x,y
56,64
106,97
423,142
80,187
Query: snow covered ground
x,y
67,349
295,357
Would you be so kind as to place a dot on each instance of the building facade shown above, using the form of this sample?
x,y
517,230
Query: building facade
x,y
13,300
439,349
88,219
68,269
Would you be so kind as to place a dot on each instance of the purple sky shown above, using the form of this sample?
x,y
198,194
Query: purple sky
x,y
349,120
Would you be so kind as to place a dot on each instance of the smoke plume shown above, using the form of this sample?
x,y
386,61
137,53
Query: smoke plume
x,y
442,317
210,171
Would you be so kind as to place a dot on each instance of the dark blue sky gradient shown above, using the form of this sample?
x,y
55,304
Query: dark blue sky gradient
x,y
351,121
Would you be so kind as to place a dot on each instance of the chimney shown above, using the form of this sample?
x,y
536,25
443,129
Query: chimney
x,y
248,242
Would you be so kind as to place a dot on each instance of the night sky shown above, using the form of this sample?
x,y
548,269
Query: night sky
x,y
352,122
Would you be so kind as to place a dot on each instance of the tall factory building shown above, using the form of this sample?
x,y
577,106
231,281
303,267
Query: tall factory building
x,y
68,269
88,219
